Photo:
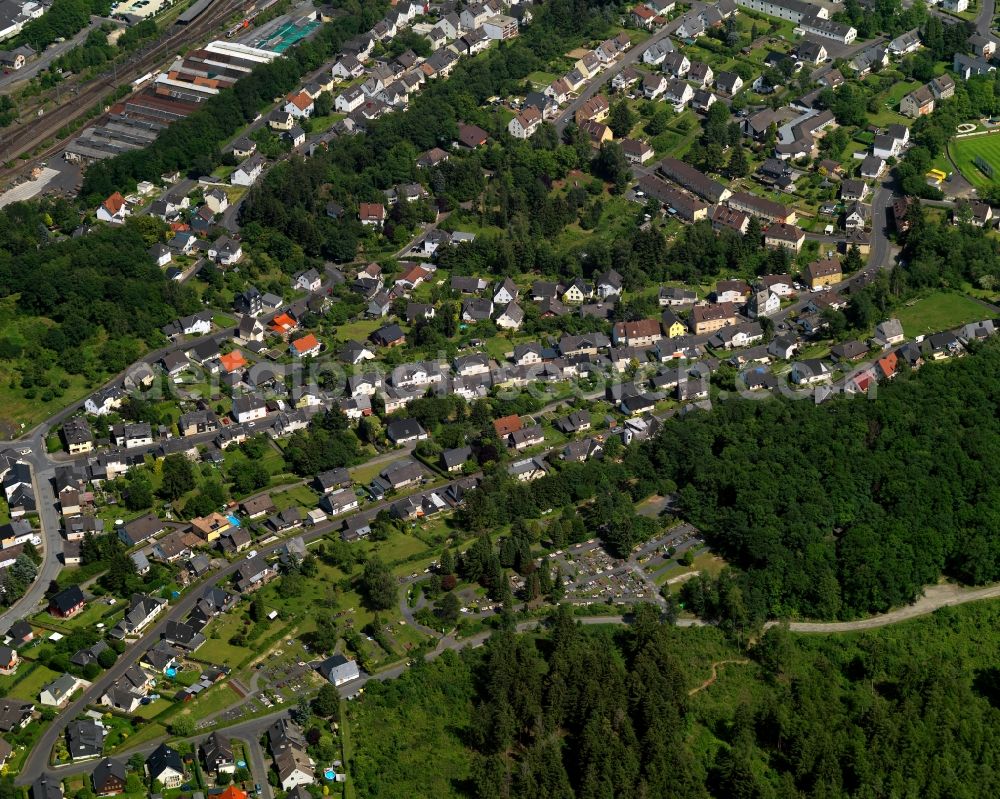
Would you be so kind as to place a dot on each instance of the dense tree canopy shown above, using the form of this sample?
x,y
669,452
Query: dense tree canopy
x,y
907,712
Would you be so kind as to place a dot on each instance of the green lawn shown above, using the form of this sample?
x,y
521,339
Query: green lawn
x,y
399,547
219,650
95,611
27,682
149,732
301,495
964,153
359,330
900,90
541,79
214,700
939,311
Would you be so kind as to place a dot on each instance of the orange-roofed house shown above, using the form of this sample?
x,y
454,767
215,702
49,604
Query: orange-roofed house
x,y
232,361
305,346
113,210
887,366
300,105
507,425
413,277
232,792
283,324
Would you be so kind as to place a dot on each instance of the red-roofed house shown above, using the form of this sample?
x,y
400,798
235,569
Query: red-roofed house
x,y
305,346
232,792
283,324
232,361
507,425
113,209
887,366
372,214
413,277
643,17
300,105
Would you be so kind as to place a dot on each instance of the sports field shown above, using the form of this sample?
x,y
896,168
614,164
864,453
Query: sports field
x,y
964,152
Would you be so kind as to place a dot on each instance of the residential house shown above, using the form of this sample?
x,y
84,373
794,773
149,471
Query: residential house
x,y
888,333
142,610
77,435
640,333
824,272
471,137
247,173
809,372
636,151
856,217
217,754
724,217
728,82
905,43
404,431
780,235
732,291
917,103
109,777
709,318
527,470
67,603
595,109
678,92
372,214
853,190
164,765
113,210
762,208
58,692
85,739
672,325
763,303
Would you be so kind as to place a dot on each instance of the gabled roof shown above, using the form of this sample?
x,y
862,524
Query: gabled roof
x,y
114,203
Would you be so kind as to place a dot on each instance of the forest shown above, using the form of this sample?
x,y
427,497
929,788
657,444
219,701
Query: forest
x,y
601,712
830,511
85,305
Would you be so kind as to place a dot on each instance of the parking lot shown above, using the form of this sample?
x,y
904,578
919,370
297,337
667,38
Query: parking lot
x,y
139,8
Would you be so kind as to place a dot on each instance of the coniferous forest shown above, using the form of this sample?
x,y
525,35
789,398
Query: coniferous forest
x,y
909,711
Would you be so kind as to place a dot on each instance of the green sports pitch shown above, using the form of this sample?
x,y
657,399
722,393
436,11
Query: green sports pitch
x,y
978,159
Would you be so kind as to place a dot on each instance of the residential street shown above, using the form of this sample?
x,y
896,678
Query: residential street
x,y
631,57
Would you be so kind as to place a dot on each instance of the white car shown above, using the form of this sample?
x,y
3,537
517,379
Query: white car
x,y
251,554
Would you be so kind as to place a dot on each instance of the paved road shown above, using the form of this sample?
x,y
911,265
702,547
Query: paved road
x,y
42,473
38,759
879,255
258,766
12,80
984,19
630,58
934,597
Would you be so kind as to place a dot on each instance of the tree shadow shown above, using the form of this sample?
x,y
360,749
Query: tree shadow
x,y
987,684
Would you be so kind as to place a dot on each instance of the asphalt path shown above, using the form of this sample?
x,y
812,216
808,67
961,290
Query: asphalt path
x,y
630,58
38,759
934,598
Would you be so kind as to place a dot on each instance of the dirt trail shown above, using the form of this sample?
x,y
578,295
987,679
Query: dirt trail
x,y
715,673
936,596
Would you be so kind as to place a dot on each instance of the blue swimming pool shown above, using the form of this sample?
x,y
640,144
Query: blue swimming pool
x,y
233,520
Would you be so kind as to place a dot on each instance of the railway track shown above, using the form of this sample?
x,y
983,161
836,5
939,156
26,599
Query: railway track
x,y
28,136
